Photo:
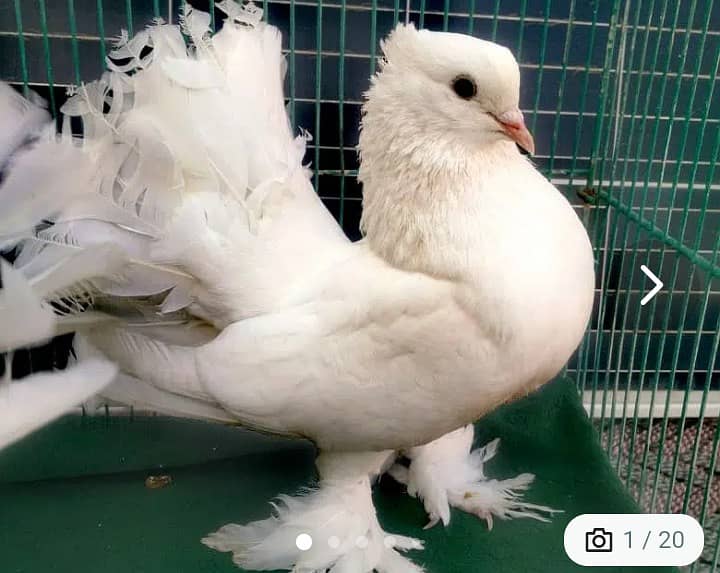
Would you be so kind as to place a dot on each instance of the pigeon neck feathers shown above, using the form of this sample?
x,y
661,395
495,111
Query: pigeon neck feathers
x,y
420,184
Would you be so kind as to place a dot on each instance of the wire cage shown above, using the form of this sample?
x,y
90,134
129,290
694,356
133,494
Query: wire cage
x,y
621,98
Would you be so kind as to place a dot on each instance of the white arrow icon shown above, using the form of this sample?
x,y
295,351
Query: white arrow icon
x,y
658,285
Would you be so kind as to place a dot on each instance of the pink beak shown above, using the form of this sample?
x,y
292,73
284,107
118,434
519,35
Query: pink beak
x,y
513,125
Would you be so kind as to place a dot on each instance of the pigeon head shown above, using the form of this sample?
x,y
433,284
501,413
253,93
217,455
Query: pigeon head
x,y
441,117
453,86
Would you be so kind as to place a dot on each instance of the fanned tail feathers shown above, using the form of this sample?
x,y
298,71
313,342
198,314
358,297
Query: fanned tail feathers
x,y
185,198
39,398
191,124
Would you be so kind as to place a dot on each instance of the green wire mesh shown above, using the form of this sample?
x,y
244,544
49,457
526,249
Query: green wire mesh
x,y
621,96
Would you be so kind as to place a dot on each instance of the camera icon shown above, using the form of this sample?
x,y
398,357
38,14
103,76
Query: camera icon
x,y
598,541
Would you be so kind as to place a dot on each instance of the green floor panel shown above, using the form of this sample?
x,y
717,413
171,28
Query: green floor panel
x,y
81,446
105,520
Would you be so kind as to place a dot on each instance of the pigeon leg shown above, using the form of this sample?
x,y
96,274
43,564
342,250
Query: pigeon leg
x,y
447,473
333,528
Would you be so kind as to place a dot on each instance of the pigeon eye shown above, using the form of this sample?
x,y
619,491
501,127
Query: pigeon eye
x,y
464,87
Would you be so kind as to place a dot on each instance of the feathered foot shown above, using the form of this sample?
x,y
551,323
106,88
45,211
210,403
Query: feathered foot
x,y
447,473
331,529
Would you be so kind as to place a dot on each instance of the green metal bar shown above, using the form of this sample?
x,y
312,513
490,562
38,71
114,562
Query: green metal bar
x,y
396,12
604,87
612,150
421,23
471,18
711,366
74,41
715,445
615,113
711,469
603,227
716,555
21,51
341,102
701,222
101,29
46,49
686,397
638,228
318,91
676,350
623,241
658,112
599,218
211,8
446,15
338,173
129,16
583,353
541,63
583,94
291,75
373,35
706,391
561,86
496,13
521,34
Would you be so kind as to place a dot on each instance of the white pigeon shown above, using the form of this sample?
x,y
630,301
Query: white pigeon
x,y
241,300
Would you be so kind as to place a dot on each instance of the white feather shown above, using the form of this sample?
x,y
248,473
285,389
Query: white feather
x,y
20,119
67,324
173,365
80,266
448,473
24,318
233,150
131,391
123,274
340,519
101,208
193,74
40,398
42,179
